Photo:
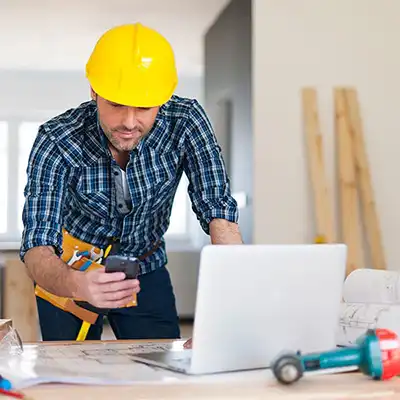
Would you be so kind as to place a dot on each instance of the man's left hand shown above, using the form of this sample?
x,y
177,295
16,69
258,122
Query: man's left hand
x,y
188,344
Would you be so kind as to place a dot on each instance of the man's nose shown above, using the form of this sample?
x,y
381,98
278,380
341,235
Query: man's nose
x,y
130,120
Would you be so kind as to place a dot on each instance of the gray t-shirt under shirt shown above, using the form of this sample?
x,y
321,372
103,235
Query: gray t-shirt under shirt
x,y
124,202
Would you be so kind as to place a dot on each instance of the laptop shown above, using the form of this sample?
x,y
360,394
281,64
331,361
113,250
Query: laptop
x,y
255,301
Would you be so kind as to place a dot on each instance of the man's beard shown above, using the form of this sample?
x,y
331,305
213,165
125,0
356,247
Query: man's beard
x,y
122,145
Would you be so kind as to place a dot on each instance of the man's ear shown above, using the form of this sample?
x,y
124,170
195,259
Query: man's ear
x,y
93,94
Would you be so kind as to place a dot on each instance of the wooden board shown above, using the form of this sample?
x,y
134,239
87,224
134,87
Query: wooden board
x,y
19,300
322,199
349,201
370,215
241,385
352,386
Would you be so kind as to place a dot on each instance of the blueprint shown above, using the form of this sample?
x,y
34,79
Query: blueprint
x,y
371,299
102,363
372,286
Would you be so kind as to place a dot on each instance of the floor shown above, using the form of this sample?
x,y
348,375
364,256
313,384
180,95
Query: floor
x,y
186,331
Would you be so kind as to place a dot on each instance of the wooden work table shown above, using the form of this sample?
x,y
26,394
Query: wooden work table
x,y
350,385
332,387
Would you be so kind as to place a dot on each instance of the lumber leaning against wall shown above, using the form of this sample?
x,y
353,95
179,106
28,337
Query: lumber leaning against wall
x,y
348,194
322,197
370,215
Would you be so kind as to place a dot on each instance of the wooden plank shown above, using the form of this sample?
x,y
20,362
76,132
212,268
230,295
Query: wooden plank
x,y
372,226
316,166
5,327
349,210
19,300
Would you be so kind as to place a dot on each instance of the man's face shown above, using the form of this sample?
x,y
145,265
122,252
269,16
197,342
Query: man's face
x,y
124,126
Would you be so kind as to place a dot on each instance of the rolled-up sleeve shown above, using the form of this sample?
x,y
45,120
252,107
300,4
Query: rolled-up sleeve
x,y
209,184
44,196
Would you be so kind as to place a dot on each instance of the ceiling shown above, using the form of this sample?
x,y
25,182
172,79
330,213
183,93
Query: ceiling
x,y
59,35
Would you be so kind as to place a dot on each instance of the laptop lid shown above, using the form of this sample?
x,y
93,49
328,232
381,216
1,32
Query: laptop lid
x,y
254,301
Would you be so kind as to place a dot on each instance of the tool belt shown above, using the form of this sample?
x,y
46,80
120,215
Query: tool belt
x,y
83,256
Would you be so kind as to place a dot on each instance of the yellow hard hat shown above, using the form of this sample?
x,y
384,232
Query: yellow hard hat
x,y
133,65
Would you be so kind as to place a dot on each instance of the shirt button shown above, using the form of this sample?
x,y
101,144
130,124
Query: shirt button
x,y
116,173
120,205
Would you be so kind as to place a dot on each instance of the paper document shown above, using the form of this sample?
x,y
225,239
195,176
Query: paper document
x,y
372,286
100,363
371,299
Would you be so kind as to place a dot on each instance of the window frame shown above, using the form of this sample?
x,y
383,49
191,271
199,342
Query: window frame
x,y
11,239
6,170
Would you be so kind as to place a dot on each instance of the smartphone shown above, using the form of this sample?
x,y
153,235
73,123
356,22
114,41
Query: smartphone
x,y
128,265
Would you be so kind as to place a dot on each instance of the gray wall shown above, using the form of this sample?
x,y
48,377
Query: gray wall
x,y
228,97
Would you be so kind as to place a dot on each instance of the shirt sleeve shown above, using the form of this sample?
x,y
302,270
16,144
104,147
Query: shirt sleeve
x,y
44,192
209,184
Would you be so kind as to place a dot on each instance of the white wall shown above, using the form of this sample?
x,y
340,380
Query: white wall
x,y
52,35
322,43
25,91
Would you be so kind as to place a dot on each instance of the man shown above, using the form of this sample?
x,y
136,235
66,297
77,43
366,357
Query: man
x,y
109,169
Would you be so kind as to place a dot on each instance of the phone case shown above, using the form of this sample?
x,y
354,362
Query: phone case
x,y
128,265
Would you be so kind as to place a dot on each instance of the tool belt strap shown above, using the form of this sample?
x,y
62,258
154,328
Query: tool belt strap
x,y
84,263
71,243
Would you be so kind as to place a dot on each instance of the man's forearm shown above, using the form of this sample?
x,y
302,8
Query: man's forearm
x,y
225,232
50,272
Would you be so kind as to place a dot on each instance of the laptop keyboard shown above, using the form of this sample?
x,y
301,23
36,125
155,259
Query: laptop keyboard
x,y
185,360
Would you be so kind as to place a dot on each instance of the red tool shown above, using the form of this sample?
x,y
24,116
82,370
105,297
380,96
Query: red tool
x,y
376,353
11,393
6,389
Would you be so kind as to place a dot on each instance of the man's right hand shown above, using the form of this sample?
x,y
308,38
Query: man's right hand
x,y
106,290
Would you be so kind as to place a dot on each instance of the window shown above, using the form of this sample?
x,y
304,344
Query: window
x,y
179,214
3,175
26,136
17,137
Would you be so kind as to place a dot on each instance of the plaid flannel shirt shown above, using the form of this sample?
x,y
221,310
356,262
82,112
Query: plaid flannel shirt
x,y
70,181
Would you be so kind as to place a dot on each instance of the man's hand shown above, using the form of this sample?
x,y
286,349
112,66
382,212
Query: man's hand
x,y
106,290
188,344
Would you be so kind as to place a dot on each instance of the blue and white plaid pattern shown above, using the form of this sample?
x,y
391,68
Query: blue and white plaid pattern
x,y
71,185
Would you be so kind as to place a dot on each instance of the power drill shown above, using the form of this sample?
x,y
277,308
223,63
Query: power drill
x,y
376,354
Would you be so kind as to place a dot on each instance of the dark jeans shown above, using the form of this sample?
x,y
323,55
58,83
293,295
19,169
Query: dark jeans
x,y
155,316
